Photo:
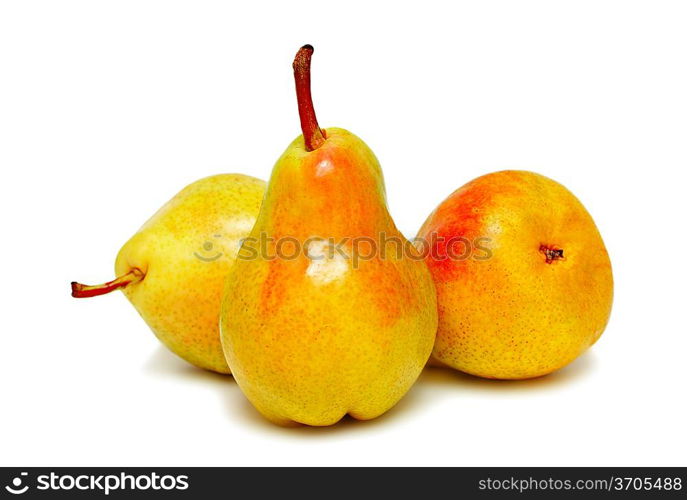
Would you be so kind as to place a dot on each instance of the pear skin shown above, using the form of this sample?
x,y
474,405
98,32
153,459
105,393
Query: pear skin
x,y
536,290
174,268
321,316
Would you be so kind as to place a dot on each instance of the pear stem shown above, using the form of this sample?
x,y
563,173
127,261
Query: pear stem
x,y
81,291
313,135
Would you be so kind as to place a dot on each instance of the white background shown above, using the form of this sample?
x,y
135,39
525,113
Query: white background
x,y
107,109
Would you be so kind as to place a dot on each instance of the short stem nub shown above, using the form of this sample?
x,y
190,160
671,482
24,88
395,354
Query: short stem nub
x,y
81,291
551,253
313,135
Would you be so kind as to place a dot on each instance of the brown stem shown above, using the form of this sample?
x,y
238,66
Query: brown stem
x,y
81,291
313,135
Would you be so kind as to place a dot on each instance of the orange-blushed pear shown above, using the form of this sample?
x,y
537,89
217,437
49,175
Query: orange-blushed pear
x,y
539,291
327,332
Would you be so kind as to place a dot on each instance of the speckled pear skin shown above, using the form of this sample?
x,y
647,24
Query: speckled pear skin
x,y
310,340
515,315
186,251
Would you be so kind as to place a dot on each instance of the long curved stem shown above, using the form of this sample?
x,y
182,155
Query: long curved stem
x,y
81,291
313,135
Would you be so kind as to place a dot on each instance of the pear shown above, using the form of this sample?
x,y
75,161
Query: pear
x,y
523,278
329,310
174,268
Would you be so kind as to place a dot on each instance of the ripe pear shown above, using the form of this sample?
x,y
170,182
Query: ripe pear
x,y
534,288
316,321
174,268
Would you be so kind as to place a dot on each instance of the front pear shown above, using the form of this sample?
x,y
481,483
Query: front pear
x,y
329,310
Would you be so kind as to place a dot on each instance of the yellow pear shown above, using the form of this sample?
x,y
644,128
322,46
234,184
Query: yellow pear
x,y
329,310
174,268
